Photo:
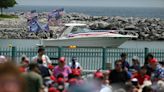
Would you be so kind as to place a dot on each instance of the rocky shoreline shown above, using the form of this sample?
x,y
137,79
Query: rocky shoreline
x,y
144,28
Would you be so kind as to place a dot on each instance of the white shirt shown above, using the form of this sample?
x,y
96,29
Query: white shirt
x,y
105,89
77,64
46,60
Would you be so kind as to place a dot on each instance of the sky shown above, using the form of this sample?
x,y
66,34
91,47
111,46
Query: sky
x,y
101,3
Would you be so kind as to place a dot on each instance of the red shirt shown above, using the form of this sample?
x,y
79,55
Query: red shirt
x,y
22,69
141,78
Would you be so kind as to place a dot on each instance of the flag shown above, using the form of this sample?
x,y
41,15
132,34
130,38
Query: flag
x,y
45,27
57,14
34,26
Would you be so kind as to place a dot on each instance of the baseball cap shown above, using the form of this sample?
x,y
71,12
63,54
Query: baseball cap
x,y
98,75
62,59
135,58
76,72
154,60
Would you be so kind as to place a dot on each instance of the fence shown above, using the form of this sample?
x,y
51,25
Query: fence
x,y
90,58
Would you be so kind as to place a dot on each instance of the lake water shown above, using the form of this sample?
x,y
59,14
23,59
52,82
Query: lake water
x,y
98,11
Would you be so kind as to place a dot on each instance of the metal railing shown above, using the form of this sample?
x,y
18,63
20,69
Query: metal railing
x,y
90,58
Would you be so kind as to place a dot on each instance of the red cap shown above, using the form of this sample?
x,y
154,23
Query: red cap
x,y
73,81
52,90
51,67
76,72
154,60
60,80
62,59
53,78
98,75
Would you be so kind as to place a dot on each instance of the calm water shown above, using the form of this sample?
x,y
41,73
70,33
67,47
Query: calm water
x,y
100,11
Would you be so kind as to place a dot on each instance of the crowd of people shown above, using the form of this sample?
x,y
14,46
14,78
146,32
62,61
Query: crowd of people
x,y
40,75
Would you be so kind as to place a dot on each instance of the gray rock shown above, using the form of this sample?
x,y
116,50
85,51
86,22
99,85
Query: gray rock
x,y
130,27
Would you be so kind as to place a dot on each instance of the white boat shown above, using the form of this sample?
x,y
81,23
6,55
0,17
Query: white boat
x,y
75,34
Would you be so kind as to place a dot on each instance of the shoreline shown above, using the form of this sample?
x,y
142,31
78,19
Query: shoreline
x,y
147,29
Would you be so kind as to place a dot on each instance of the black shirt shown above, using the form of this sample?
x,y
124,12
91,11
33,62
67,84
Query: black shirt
x,y
118,77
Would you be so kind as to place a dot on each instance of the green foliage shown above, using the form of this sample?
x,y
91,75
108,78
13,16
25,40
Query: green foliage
x,y
7,3
8,16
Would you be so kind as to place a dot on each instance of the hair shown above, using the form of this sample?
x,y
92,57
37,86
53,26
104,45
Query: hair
x,y
60,75
147,89
32,66
41,49
9,68
147,56
117,61
123,54
23,58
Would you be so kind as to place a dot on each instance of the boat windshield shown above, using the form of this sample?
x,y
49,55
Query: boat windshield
x,y
76,30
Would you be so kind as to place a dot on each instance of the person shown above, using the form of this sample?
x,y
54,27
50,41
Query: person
x,y
125,64
142,76
41,55
118,75
24,64
99,78
44,71
147,89
10,78
33,79
74,64
148,58
158,73
135,63
62,68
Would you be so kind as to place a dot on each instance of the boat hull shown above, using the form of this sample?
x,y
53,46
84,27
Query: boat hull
x,y
86,42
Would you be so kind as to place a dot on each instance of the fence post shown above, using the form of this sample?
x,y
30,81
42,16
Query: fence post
x,y
13,53
104,59
146,51
59,52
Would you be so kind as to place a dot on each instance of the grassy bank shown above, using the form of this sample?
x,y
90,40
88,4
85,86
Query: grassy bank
x,y
8,16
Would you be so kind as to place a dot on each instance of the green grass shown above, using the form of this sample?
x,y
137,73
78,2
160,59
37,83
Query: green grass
x,y
8,16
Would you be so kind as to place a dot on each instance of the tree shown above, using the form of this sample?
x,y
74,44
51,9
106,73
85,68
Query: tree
x,y
4,4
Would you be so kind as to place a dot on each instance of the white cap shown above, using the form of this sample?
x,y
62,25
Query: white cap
x,y
135,58
134,79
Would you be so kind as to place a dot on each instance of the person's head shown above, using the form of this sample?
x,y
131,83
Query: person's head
x,y
34,67
98,76
123,56
2,59
162,63
149,56
74,59
143,70
41,51
118,65
62,61
76,73
24,61
147,89
131,88
135,60
153,63
10,78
